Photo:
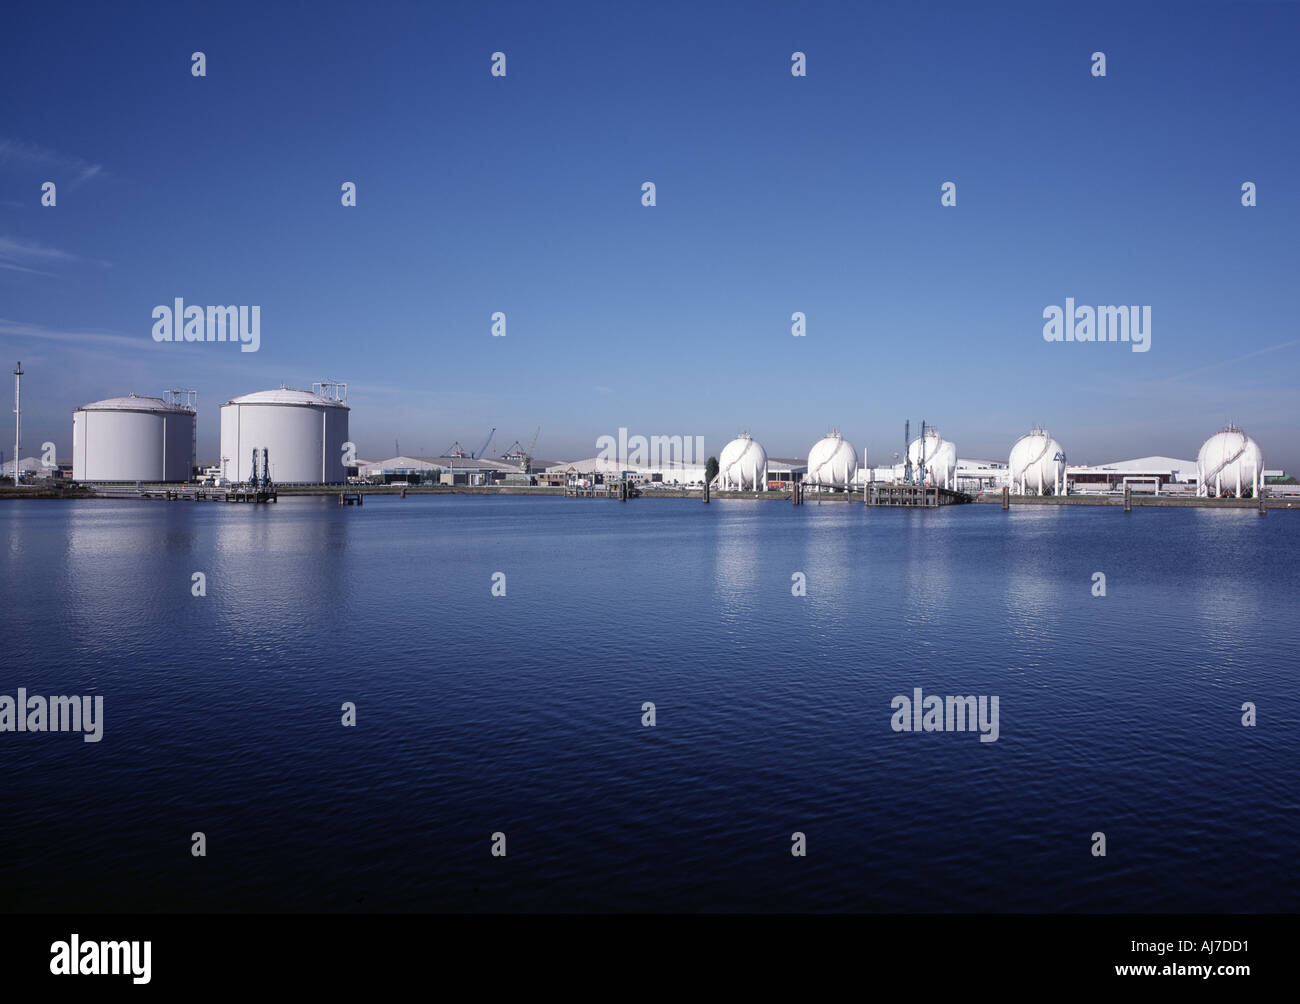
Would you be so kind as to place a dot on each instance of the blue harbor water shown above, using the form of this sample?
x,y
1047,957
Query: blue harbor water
x,y
522,714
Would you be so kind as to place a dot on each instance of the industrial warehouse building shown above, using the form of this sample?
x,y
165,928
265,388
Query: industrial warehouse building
x,y
134,438
303,432
1145,472
468,471
35,469
780,473
985,475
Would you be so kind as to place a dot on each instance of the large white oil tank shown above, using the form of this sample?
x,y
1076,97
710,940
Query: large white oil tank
x,y
1230,461
133,438
1037,465
831,461
742,465
303,431
939,466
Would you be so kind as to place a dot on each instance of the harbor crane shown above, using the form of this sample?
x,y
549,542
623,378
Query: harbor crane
x,y
478,454
527,457
522,454
456,450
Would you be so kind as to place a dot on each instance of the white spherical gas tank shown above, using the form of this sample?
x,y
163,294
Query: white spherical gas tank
x,y
831,461
742,465
1230,463
1037,465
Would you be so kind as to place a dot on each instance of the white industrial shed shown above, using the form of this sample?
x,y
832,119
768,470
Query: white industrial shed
x,y
779,472
608,467
33,467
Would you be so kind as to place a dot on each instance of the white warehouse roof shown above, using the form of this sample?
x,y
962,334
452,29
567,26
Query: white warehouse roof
x,y
27,465
1182,470
607,465
405,463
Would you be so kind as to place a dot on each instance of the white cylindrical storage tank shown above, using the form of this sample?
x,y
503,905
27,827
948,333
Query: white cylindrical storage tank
x,y
831,461
1037,465
133,438
302,432
939,466
742,465
1230,462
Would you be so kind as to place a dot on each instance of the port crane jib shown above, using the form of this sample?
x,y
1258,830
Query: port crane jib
x,y
478,454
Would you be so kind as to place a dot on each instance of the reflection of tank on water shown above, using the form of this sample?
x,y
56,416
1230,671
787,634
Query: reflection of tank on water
x,y
1230,463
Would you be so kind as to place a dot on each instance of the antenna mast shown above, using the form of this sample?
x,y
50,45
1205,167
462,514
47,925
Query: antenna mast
x,y
18,418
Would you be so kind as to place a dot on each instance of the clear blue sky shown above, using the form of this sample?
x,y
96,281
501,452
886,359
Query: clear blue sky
x,y
775,195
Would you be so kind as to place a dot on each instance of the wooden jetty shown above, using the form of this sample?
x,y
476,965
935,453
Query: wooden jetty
x,y
181,493
801,493
882,493
621,490
879,493
257,497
